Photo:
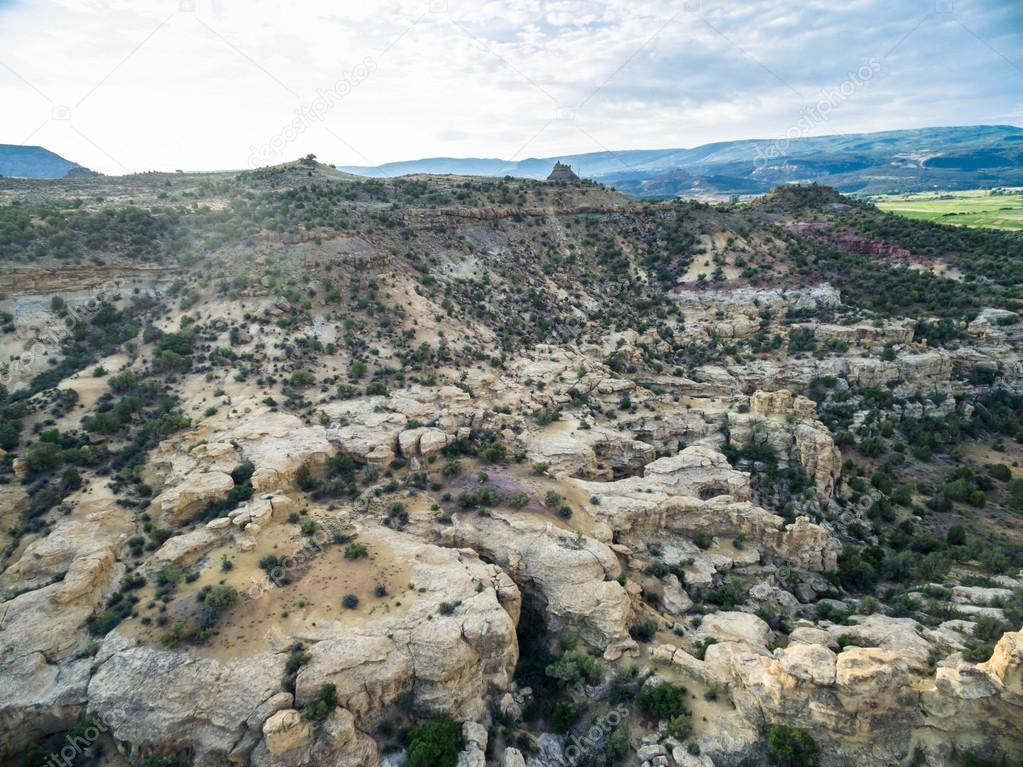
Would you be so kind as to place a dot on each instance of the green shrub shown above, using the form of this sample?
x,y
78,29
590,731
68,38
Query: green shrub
x,y
563,717
320,707
215,601
999,471
297,658
790,747
644,630
573,667
305,479
662,701
681,726
434,743
356,551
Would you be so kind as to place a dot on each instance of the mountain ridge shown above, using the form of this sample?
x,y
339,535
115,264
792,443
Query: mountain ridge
x,y
18,161
919,159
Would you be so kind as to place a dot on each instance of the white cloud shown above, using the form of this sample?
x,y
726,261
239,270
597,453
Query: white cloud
x,y
123,85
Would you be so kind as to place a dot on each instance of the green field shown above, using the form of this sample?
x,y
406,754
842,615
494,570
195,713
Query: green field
x,y
1002,209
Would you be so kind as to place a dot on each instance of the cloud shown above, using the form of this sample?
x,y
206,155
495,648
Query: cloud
x,y
123,85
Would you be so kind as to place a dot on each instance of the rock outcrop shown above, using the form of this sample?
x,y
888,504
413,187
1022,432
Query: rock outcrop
x,y
203,708
875,703
786,425
452,647
447,660
697,491
44,671
571,578
194,468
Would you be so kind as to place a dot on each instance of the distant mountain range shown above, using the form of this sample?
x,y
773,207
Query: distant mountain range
x,y
924,159
36,162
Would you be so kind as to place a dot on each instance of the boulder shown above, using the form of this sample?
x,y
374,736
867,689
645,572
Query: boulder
x,y
595,453
422,441
369,436
192,494
336,741
285,731
734,627
809,662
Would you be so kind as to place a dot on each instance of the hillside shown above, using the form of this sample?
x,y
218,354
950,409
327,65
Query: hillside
x,y
467,470
869,163
36,162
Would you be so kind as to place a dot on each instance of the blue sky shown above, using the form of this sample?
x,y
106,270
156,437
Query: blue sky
x,y
131,85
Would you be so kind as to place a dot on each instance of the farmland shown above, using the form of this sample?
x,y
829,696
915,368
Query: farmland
x,y
996,208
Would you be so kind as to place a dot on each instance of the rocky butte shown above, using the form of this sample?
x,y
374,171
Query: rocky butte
x,y
299,469
562,172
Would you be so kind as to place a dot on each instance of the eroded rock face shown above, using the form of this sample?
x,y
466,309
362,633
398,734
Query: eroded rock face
x,y
422,441
43,673
595,453
370,437
999,325
176,702
698,472
453,646
786,424
13,503
288,741
95,524
697,491
572,577
195,491
1006,664
809,546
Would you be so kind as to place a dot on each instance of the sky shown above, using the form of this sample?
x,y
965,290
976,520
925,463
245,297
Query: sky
x,y
133,85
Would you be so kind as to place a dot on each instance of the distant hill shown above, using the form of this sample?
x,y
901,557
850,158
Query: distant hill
x,y
36,162
868,163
